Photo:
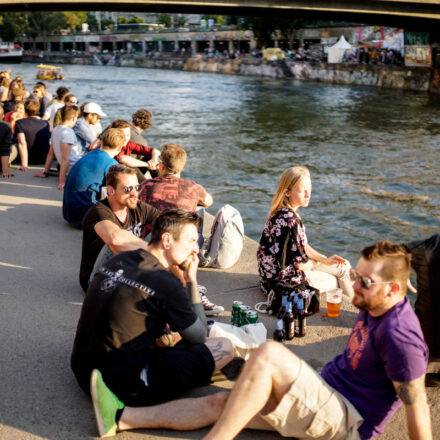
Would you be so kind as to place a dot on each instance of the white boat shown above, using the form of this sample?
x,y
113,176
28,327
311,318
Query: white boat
x,y
10,53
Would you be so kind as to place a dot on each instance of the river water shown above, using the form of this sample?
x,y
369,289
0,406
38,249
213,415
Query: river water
x,y
374,154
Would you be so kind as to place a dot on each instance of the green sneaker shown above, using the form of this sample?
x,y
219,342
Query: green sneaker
x,y
105,405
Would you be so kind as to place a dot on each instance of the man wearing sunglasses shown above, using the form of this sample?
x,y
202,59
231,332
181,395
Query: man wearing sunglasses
x,y
119,221
357,393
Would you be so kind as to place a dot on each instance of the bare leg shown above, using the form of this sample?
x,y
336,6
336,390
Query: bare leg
x,y
266,377
222,351
182,415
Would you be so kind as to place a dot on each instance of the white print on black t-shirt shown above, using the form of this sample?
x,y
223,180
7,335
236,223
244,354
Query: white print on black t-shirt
x,y
116,277
136,229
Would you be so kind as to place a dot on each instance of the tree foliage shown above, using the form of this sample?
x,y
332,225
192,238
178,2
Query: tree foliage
x,y
164,19
265,28
37,23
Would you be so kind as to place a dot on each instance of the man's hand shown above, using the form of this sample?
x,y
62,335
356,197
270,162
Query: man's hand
x,y
23,168
43,175
7,174
60,186
189,268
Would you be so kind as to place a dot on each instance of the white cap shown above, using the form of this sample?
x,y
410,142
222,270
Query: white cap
x,y
92,107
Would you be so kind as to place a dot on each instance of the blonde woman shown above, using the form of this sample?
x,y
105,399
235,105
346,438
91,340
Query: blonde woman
x,y
284,253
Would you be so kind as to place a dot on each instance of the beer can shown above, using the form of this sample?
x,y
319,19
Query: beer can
x,y
251,317
243,310
235,314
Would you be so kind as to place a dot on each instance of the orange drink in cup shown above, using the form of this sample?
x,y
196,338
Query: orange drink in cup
x,y
334,298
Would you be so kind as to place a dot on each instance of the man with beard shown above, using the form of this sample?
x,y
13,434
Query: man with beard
x,y
118,221
358,392
132,301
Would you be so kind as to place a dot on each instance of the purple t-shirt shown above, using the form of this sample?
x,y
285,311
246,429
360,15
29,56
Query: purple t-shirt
x,y
379,350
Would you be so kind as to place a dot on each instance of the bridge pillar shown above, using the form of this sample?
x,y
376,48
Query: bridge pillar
x,y
193,47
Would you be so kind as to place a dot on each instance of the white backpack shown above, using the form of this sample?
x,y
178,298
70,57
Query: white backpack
x,y
225,244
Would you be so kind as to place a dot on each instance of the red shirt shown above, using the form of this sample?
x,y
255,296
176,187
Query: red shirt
x,y
172,192
131,147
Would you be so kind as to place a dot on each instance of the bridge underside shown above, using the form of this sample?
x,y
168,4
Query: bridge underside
x,y
423,15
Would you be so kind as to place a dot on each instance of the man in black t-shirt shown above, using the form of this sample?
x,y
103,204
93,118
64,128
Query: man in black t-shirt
x,y
33,136
117,221
130,302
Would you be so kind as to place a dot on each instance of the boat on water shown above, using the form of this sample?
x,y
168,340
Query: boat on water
x,y
10,52
49,73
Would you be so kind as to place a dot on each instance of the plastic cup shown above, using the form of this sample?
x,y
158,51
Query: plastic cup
x,y
334,298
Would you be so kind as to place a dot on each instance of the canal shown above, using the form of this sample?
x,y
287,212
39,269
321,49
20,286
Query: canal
x,y
374,154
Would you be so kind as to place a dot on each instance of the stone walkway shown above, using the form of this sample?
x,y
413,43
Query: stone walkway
x,y
40,301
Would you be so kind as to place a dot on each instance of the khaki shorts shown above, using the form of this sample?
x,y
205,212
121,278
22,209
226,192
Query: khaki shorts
x,y
312,409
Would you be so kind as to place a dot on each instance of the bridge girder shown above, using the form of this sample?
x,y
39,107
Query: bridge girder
x,y
416,14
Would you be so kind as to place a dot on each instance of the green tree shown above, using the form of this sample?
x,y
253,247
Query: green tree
x,y
181,20
122,20
164,19
8,31
74,20
92,22
136,19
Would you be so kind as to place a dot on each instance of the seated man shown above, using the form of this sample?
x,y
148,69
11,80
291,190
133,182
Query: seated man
x,y
84,125
170,191
358,392
86,178
118,221
129,304
64,146
33,136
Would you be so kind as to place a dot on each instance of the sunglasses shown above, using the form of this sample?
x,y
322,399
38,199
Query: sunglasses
x,y
364,281
73,102
129,189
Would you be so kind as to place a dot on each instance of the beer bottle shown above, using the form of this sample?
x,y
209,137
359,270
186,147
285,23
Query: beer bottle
x,y
289,324
301,318
279,334
283,306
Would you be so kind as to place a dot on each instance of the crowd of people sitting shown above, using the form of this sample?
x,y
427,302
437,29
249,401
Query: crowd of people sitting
x,y
142,338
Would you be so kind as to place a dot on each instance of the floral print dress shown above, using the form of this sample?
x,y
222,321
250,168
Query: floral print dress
x,y
282,245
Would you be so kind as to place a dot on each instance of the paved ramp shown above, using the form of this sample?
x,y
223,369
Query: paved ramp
x,y
40,301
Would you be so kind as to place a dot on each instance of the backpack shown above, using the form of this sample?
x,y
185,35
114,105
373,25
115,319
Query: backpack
x,y
225,244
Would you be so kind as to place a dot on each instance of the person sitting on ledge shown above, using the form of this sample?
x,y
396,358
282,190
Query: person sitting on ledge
x,y
169,190
116,224
130,310
284,253
356,395
86,178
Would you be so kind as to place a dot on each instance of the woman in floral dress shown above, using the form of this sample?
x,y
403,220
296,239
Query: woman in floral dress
x,y
284,252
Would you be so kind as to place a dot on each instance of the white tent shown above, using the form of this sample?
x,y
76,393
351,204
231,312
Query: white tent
x,y
336,52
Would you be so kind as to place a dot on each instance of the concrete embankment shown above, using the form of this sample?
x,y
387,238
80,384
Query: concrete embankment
x,y
40,301
421,79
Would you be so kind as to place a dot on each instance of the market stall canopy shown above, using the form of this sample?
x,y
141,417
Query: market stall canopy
x,y
336,52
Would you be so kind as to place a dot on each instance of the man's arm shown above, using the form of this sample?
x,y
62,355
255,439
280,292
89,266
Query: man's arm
x,y
131,161
413,396
6,172
65,153
22,149
208,201
118,240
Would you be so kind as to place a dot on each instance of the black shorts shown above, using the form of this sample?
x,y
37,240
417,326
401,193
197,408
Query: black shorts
x,y
170,372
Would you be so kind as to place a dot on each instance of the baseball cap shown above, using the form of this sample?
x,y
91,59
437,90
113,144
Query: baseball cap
x,y
92,107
